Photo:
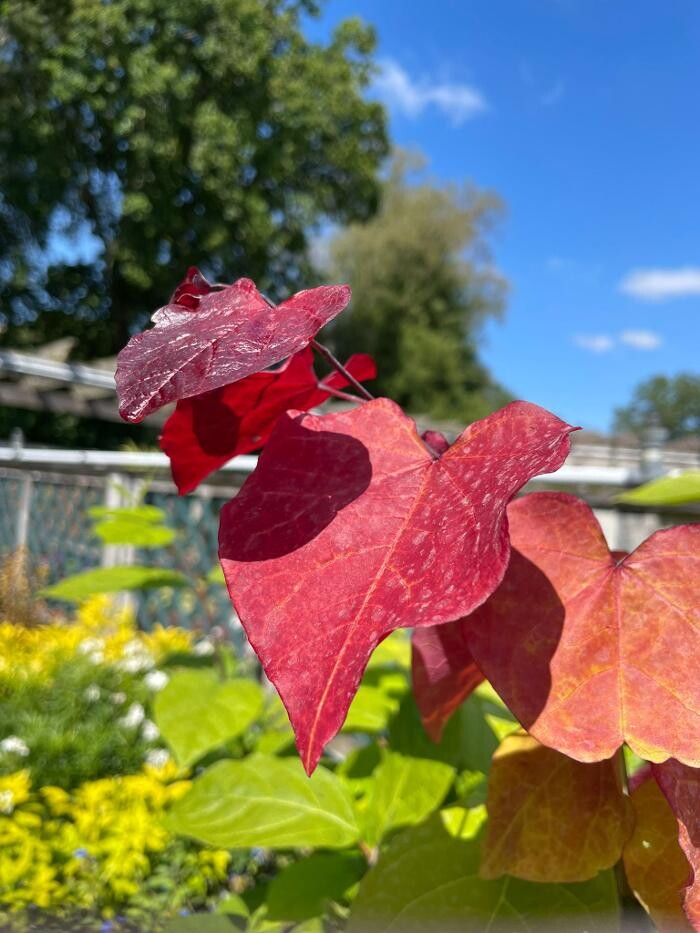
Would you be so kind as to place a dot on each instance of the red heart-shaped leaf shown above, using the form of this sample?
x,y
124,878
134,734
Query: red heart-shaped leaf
x,y
231,333
590,651
349,529
206,431
444,673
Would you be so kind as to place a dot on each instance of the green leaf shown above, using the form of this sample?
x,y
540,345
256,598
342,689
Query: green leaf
x,y
207,923
233,905
501,727
216,575
370,710
196,712
276,736
668,490
302,890
394,651
134,533
80,586
404,792
468,741
148,514
276,743
428,879
268,802
358,768
471,788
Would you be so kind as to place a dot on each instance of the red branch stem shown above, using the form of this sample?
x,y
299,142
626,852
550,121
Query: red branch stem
x,y
338,393
336,364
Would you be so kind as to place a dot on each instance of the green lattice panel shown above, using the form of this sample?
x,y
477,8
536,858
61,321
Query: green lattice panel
x,y
9,502
194,552
59,539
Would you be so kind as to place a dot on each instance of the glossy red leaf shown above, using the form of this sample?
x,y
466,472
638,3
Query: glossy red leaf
x,y
681,787
444,673
589,651
230,334
349,529
206,431
190,290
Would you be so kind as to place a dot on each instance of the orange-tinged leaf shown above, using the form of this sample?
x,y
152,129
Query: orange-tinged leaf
x,y
656,869
551,819
590,651
681,787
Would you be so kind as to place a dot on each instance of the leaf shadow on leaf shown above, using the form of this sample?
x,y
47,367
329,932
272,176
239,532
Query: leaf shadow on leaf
x,y
214,423
330,471
518,629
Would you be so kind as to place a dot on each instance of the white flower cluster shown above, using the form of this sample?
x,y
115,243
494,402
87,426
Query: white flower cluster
x,y
156,680
203,648
136,657
157,757
133,717
93,648
7,802
150,731
13,745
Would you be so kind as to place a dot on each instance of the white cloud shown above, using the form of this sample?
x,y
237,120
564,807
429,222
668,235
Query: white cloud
x,y
641,339
459,102
595,343
603,343
662,284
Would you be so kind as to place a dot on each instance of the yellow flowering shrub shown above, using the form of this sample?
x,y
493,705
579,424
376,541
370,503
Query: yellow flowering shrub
x,y
99,629
96,848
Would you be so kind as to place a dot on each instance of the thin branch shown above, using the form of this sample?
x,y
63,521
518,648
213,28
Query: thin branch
x,y
338,393
337,365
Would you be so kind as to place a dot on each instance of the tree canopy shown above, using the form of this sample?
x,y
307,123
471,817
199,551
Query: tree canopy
x,y
423,283
138,137
671,401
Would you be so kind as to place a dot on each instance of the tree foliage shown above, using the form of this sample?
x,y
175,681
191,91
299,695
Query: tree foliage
x,y
423,283
674,402
137,135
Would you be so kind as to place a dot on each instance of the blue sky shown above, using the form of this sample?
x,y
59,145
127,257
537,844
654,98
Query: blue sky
x,y
584,115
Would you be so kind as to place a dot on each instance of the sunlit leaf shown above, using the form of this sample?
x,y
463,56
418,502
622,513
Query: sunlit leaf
x,y
683,489
265,801
321,568
404,791
589,649
81,586
196,712
229,334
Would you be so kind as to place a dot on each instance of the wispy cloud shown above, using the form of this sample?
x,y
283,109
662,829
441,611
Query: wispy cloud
x,y
554,94
604,343
662,284
641,339
594,343
459,102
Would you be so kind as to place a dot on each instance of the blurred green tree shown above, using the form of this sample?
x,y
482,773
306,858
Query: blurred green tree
x,y
673,402
423,283
138,137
